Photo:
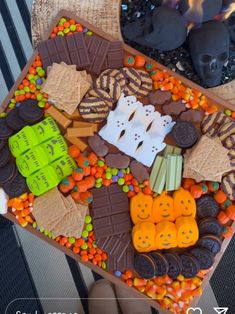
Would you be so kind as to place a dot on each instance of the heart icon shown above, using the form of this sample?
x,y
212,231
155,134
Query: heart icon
x,y
194,310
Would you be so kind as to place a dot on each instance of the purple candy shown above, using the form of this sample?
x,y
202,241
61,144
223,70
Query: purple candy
x,y
131,188
18,104
117,273
120,174
115,179
39,81
85,30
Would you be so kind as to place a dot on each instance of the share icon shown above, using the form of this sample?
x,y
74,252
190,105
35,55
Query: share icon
x,y
221,310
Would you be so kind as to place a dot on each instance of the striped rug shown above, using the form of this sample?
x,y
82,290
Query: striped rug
x,y
56,276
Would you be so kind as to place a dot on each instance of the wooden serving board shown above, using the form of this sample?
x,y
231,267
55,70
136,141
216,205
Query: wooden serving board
x,y
212,99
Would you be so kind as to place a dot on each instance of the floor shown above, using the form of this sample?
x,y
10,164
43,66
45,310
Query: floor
x,y
61,283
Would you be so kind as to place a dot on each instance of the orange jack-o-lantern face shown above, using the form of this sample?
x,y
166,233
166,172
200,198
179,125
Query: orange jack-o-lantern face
x,y
187,231
163,208
184,204
143,236
166,235
141,208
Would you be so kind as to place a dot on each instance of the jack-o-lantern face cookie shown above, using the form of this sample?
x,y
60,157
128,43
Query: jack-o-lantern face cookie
x,y
187,231
143,237
163,208
141,208
166,235
184,204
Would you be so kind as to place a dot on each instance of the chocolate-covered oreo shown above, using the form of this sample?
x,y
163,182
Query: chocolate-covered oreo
x,y
8,172
14,121
161,264
210,242
144,265
210,225
204,257
4,156
190,265
184,134
30,112
175,264
207,207
16,186
5,131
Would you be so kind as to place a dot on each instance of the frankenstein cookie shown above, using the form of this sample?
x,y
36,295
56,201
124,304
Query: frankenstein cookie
x,y
93,109
4,156
144,265
210,242
184,134
210,225
146,84
190,265
5,131
14,121
110,86
30,112
16,187
204,257
102,94
211,123
117,75
8,172
175,264
161,264
207,207
133,81
226,130
228,185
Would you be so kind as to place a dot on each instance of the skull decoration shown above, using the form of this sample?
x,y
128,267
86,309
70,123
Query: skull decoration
x,y
200,10
165,30
230,23
209,48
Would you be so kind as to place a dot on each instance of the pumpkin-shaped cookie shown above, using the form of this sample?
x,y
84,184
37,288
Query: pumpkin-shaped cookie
x,y
163,208
143,237
166,235
141,207
187,231
184,204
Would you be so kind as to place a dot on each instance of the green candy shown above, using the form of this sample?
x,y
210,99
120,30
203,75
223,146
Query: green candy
x,y
13,100
41,104
73,28
66,30
26,89
108,175
94,245
128,170
42,230
100,163
46,232
89,33
88,219
84,246
71,240
11,105
108,169
41,73
228,112
17,92
39,96
121,181
125,188
103,265
22,92
30,77
34,225
99,180
85,233
3,114
50,235
98,185
114,171
38,87
60,33
89,227
62,21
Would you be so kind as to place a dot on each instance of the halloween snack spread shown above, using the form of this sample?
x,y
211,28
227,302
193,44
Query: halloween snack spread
x,y
126,133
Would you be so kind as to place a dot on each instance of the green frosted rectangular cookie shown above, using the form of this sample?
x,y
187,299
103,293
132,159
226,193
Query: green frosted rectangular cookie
x,y
161,178
171,172
178,175
155,170
168,150
177,150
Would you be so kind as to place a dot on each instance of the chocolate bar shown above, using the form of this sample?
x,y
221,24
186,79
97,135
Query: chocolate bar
x,y
110,211
77,50
62,49
116,245
97,49
115,56
126,262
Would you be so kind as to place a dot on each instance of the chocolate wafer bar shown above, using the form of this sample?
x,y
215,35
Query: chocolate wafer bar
x,y
62,49
126,262
77,50
45,54
97,49
115,56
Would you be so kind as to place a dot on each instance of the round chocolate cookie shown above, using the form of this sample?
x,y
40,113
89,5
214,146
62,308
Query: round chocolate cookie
x,y
190,265
8,172
133,81
110,85
228,185
210,225
184,134
30,112
207,207
5,131
205,257
14,121
102,94
16,187
210,242
161,264
144,265
146,84
211,123
93,109
175,264
4,156
117,74
2,143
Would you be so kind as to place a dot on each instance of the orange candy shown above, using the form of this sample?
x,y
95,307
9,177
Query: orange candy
x,y
220,197
139,61
74,151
